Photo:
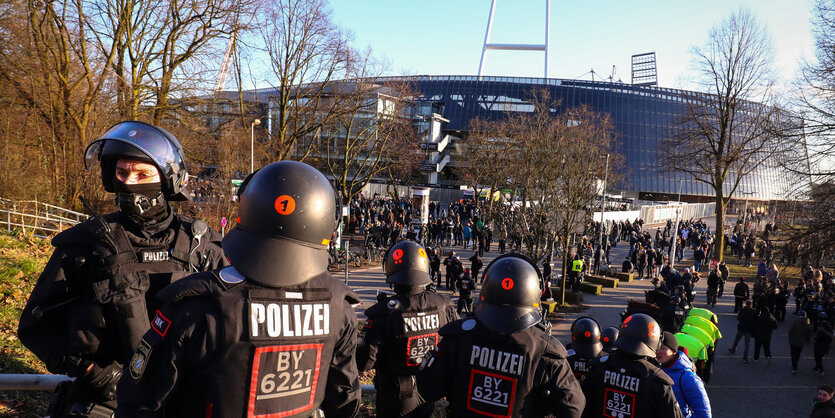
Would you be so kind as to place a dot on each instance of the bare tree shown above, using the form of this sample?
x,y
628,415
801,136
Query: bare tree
x,y
55,73
371,129
728,130
306,52
554,158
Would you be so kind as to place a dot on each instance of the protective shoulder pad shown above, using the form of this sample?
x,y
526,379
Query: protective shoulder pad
x,y
194,285
439,300
377,309
653,369
81,234
457,327
662,376
553,348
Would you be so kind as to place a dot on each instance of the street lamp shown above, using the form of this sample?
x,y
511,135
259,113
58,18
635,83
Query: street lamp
x,y
675,228
252,144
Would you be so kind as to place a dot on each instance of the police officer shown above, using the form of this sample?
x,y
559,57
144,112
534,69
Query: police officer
x,y
585,346
400,330
576,272
272,335
629,383
94,299
465,286
502,362
608,336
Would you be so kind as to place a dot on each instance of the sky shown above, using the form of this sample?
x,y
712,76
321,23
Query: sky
x,y
445,37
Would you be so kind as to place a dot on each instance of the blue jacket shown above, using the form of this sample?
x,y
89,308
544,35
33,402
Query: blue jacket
x,y
688,388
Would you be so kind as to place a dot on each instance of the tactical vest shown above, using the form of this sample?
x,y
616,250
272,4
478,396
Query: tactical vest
x,y
579,365
496,372
275,348
120,282
625,388
414,333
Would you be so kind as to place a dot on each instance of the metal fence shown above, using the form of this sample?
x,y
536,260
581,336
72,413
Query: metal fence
x,y
39,218
48,382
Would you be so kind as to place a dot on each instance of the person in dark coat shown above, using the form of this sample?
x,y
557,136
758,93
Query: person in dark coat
x,y
800,333
741,293
824,405
763,327
746,319
713,280
476,265
823,340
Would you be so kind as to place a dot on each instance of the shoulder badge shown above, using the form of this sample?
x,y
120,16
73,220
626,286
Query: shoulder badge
x,y
231,276
468,325
140,360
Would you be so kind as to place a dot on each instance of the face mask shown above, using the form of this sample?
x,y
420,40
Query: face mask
x,y
143,200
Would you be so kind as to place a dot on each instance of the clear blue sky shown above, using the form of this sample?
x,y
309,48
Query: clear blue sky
x,y
446,36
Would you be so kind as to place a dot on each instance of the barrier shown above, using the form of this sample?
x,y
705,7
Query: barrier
x,y
48,382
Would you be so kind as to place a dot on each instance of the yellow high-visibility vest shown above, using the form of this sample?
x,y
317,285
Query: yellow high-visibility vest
x,y
577,265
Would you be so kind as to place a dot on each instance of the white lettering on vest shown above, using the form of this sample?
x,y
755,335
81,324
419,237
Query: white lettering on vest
x,y
497,360
421,323
622,381
297,320
154,256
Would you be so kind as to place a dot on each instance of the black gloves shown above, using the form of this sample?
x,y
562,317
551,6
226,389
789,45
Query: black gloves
x,y
104,380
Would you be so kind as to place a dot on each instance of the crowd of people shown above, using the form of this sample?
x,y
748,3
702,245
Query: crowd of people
x,y
152,313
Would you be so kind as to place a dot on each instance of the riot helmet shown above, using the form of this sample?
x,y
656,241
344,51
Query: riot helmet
x,y
585,337
286,218
608,336
510,295
640,335
407,264
144,142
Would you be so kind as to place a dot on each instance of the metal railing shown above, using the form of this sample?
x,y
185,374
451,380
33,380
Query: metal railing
x,y
48,382
38,217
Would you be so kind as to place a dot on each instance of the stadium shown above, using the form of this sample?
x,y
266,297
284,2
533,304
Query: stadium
x,y
642,114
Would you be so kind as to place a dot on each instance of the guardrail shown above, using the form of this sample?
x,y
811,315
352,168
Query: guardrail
x,y
36,216
48,382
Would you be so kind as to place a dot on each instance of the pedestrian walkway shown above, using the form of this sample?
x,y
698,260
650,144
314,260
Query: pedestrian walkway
x,y
736,389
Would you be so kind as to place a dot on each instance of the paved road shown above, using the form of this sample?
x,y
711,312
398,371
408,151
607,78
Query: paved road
x,y
736,389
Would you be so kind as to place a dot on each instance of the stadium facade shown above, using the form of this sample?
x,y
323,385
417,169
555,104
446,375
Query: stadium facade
x,y
642,115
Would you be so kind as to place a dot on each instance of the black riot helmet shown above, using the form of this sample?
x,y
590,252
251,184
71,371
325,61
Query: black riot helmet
x,y
608,336
407,264
585,337
144,142
510,295
286,218
639,335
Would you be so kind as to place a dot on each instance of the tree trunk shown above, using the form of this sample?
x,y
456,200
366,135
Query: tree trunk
x,y
564,265
719,242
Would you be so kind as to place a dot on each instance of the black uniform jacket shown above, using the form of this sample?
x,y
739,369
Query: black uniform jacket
x,y
485,374
224,346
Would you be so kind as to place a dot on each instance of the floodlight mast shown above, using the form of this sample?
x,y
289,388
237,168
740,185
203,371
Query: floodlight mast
x,y
515,47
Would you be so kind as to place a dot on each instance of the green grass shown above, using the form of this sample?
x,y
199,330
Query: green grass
x,y
22,258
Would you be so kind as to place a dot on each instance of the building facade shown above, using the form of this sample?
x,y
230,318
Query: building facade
x,y
643,116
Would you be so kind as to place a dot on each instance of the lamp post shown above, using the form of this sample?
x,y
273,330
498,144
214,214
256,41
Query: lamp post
x,y
252,144
603,202
675,229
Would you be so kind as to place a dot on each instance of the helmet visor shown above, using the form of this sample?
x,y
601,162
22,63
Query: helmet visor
x,y
151,142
